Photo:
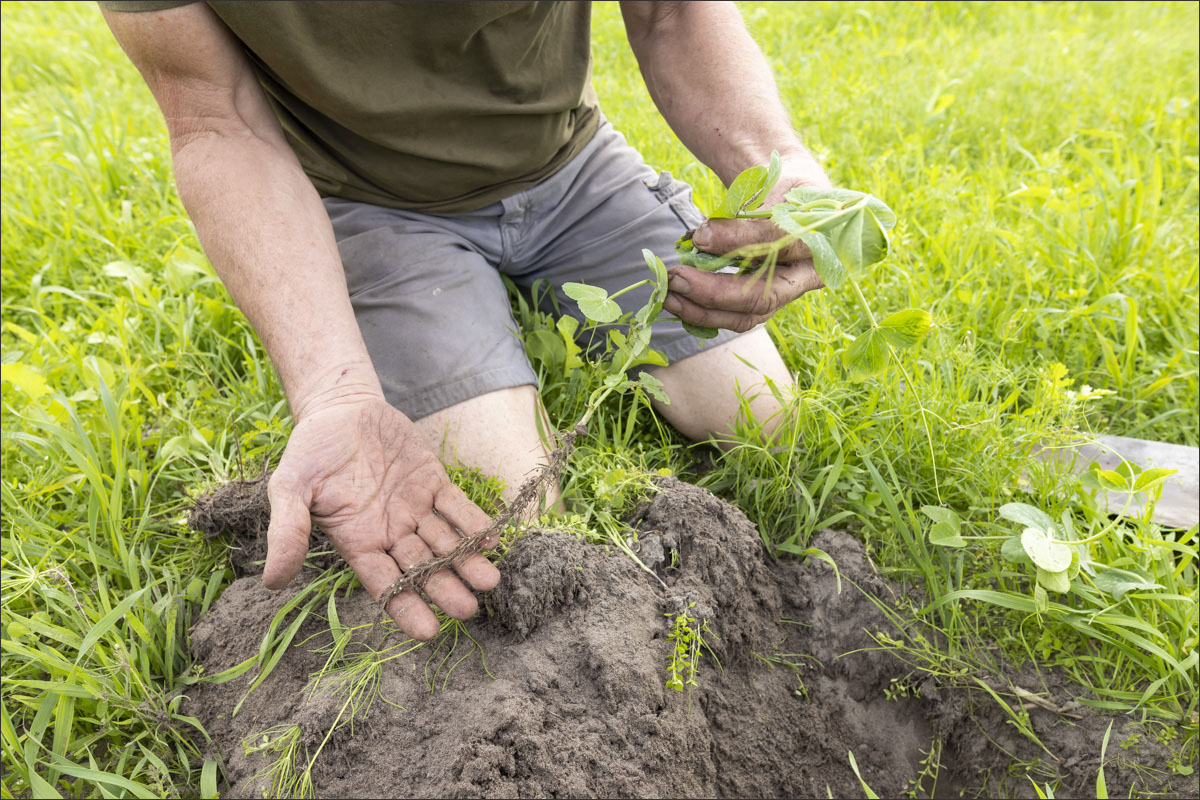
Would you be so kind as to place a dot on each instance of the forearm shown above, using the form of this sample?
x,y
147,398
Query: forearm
x,y
711,83
266,232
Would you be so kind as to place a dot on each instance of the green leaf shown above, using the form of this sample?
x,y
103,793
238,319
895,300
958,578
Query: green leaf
x,y
660,275
828,266
867,355
906,328
870,794
545,347
208,780
1119,582
25,378
1041,601
834,199
1101,784
774,170
107,622
939,514
1054,581
653,387
567,327
1046,553
1151,478
1112,480
745,188
1012,550
593,302
699,331
1027,515
946,535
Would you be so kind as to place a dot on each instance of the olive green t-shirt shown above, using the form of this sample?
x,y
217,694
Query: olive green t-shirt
x,y
434,106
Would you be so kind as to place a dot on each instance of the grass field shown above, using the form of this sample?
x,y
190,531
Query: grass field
x,y
1042,160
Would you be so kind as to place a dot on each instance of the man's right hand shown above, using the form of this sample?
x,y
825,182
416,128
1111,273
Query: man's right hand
x,y
354,465
362,471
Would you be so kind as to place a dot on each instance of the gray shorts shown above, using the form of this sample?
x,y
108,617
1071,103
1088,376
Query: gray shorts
x,y
427,291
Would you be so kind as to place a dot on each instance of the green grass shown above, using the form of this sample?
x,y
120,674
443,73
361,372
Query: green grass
x,y
1043,163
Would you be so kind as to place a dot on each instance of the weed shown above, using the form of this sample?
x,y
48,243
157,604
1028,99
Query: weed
x,y
282,776
687,644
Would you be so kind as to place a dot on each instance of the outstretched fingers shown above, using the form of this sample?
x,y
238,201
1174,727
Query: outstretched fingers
x,y
475,569
378,572
457,509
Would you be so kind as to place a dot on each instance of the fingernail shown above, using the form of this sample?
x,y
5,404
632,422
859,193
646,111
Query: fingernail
x,y
672,304
679,285
703,236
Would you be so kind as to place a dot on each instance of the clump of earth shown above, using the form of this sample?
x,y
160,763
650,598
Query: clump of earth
x,y
561,688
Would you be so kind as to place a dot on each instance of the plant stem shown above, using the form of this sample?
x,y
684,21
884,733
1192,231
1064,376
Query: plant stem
x,y
937,488
629,289
862,301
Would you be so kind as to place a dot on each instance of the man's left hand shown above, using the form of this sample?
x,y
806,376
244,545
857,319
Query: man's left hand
x,y
740,302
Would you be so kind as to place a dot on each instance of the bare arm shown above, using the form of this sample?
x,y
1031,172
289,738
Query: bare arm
x,y
353,464
259,219
713,86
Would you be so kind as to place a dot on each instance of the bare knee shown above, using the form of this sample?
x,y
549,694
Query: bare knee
x,y
743,381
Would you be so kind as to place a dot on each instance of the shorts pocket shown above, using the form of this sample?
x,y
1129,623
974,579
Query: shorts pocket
x,y
677,195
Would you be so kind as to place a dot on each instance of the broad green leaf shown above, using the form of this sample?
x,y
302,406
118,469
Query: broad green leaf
x,y
828,266
1112,480
939,514
945,534
867,355
1014,551
544,346
1054,581
1118,582
745,188
906,328
699,330
593,302
1027,515
1046,553
850,241
1151,478
25,378
807,197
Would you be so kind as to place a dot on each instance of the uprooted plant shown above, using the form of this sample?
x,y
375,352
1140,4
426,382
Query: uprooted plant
x,y
845,232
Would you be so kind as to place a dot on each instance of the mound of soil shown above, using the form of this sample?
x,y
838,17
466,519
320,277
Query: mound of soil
x,y
572,699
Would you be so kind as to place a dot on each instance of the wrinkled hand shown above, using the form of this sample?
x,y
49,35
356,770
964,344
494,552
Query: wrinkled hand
x,y
362,471
738,302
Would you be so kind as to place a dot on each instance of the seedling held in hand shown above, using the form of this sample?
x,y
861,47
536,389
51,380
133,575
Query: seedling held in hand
x,y
845,231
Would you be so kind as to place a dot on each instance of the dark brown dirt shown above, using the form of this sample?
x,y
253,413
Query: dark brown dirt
x,y
573,702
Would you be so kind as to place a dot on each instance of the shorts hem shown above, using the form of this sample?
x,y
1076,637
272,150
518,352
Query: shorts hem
x,y
418,404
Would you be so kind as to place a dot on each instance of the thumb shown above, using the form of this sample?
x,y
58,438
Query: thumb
x,y
287,535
